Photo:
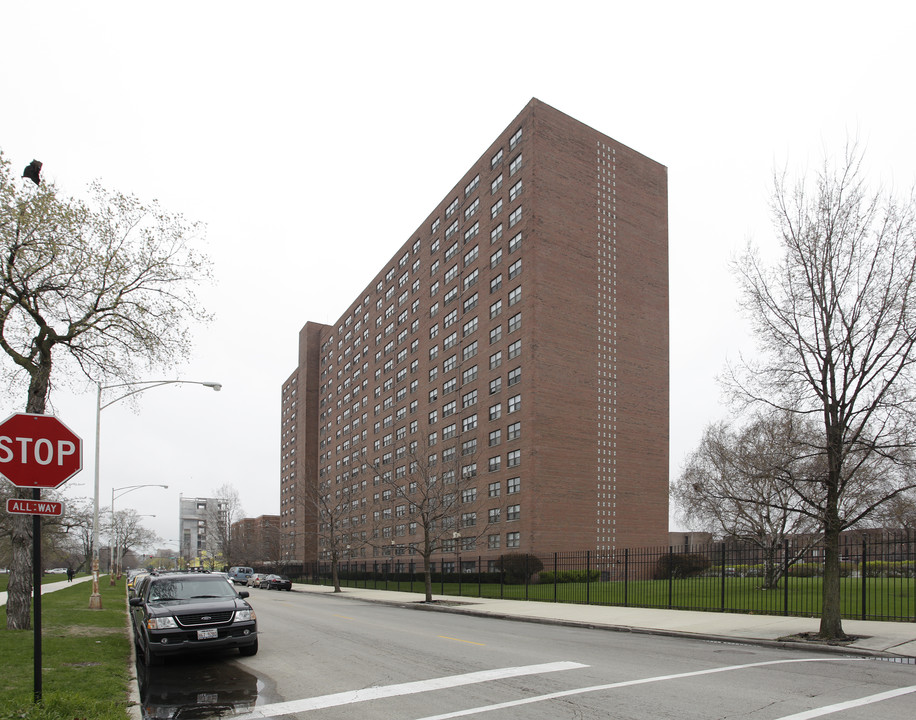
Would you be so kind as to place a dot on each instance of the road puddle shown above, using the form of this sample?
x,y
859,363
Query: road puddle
x,y
196,687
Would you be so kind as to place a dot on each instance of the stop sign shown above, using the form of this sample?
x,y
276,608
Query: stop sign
x,y
38,451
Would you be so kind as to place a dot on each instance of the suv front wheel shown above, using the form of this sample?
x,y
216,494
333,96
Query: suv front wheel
x,y
249,650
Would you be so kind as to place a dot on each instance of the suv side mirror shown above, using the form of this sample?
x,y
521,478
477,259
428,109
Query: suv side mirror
x,y
243,593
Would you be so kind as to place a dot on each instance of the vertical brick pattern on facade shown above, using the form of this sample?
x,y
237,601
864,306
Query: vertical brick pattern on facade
x,y
559,363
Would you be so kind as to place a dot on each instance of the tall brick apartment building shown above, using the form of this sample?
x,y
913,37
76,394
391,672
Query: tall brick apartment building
x,y
524,322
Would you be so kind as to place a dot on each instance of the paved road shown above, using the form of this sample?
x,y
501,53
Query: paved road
x,y
326,657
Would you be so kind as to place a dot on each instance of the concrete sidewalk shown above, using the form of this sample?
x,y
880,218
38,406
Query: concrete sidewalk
x,y
51,587
892,639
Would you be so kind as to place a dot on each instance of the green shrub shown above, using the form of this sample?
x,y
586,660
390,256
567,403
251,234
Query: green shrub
x,y
680,565
518,567
569,576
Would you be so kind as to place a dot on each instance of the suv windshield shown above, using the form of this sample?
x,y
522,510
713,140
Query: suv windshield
x,y
186,589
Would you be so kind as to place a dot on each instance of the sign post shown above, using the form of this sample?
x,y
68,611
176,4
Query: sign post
x,y
37,451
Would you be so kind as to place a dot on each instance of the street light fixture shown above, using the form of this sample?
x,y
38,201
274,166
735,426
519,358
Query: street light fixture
x,y
139,386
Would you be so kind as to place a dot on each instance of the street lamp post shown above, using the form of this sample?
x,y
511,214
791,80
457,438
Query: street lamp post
x,y
139,386
114,560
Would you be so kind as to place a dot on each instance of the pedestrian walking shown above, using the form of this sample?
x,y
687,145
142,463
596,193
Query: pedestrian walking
x,y
70,574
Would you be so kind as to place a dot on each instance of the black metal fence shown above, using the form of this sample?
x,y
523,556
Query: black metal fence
x,y
878,577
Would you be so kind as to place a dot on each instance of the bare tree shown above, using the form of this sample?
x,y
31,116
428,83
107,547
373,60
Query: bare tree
x,y
227,510
96,290
835,321
736,484
430,494
128,533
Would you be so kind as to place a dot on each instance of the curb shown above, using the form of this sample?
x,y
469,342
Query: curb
x,y
707,637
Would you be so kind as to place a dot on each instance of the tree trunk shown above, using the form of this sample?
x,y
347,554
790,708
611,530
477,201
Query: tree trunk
x,y
831,620
427,578
19,591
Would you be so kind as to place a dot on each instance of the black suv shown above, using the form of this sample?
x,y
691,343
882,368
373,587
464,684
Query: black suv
x,y
179,613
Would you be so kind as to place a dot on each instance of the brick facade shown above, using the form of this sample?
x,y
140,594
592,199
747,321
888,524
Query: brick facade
x,y
555,241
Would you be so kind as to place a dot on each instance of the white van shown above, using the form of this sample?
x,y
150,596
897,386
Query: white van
x,y
239,575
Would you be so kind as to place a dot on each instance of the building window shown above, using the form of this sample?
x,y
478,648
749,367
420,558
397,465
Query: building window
x,y
469,423
496,233
496,209
472,186
513,512
515,349
469,447
496,308
472,208
496,359
471,255
471,279
515,243
513,458
469,375
452,317
469,495
469,471
513,485
515,191
496,257
496,334
493,516
495,438
449,431
496,283
452,207
496,184
495,411
496,384
515,376
494,463
515,322
513,540
515,165
469,327
514,140
450,341
514,431
469,399
515,403
515,216
496,159
515,269
449,408
515,295
470,351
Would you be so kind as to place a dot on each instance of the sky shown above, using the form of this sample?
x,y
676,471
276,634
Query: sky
x,y
280,126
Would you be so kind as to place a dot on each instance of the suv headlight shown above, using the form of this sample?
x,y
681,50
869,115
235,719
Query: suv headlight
x,y
243,615
161,623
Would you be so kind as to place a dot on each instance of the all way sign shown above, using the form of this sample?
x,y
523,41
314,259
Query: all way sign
x,y
34,507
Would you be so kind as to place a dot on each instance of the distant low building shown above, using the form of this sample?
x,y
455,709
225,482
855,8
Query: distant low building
x,y
256,541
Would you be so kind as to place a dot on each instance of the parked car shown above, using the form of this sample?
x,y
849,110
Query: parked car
x,y
180,613
276,582
255,580
239,574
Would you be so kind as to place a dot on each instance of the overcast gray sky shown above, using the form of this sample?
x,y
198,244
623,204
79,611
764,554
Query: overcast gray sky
x,y
295,131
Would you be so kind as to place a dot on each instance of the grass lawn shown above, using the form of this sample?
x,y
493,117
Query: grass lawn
x,y
886,599
85,657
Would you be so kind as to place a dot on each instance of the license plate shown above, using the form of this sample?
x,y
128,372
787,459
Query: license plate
x,y
206,634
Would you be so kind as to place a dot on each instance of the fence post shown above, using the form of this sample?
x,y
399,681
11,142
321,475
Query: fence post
x,y
864,594
722,591
526,575
555,577
479,576
670,575
785,577
626,577
588,579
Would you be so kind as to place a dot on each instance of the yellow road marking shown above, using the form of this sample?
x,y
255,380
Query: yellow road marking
x,y
469,642
343,616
